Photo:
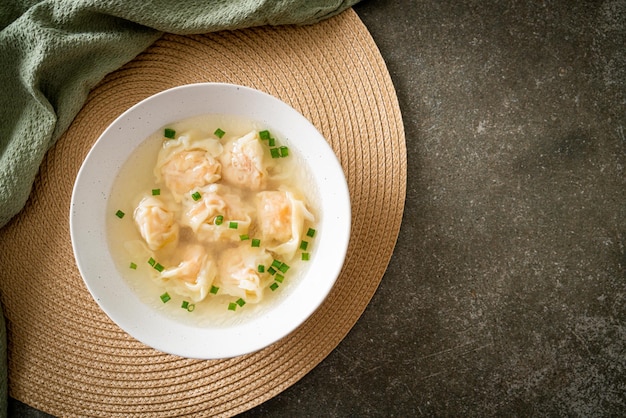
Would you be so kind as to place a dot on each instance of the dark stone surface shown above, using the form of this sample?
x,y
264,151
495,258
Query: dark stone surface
x,y
506,294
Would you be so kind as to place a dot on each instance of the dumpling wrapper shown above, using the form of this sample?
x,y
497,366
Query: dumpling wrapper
x,y
156,222
187,163
281,217
243,162
193,276
216,200
238,272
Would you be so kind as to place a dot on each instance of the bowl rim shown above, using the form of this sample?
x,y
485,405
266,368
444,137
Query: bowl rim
x,y
110,290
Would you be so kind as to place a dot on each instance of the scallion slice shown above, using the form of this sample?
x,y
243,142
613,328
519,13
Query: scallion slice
x,y
264,134
196,196
244,237
156,192
214,290
277,263
191,307
133,266
283,267
219,133
310,232
159,267
233,225
273,286
305,256
165,297
120,214
240,302
152,261
304,245
232,306
219,219
271,271
261,268
275,152
271,142
169,133
279,278
256,242
184,305
284,151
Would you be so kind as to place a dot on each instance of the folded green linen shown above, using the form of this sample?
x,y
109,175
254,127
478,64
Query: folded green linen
x,y
55,51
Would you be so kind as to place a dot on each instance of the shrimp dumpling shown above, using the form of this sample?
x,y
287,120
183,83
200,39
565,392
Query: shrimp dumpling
x,y
217,202
156,222
194,274
281,218
243,162
185,164
238,272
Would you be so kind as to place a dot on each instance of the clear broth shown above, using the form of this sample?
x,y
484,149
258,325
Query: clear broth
x,y
136,177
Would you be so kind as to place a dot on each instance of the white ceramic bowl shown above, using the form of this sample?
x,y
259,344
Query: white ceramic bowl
x,y
89,232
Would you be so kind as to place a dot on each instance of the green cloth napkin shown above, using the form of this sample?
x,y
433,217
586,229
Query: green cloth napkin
x,y
54,51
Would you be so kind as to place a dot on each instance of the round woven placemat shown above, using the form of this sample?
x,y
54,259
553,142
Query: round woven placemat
x,y
67,358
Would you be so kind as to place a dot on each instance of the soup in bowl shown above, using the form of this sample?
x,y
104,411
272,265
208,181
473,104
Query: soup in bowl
x,y
210,220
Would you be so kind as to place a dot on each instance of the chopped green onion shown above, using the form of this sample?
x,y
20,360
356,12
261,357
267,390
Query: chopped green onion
x,y
196,196
169,133
310,232
271,142
271,271
304,245
233,225
120,214
277,263
165,297
274,152
305,256
152,261
219,219
133,266
156,192
284,151
256,242
214,290
261,268
273,286
219,133
283,267
244,237
189,306
240,302
279,278
232,306
264,134
158,267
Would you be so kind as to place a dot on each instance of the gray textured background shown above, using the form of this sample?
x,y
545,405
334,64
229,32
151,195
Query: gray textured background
x,y
506,294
